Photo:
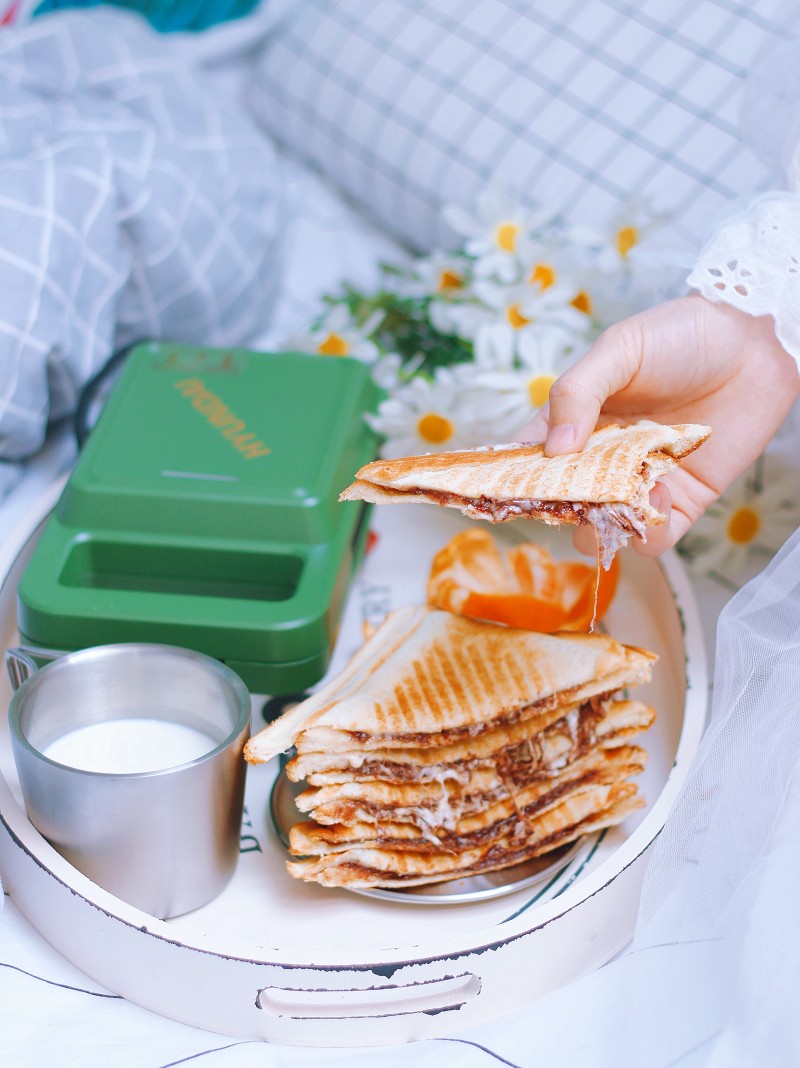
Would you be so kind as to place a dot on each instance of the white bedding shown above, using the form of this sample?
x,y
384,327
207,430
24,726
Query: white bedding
x,y
99,282
326,243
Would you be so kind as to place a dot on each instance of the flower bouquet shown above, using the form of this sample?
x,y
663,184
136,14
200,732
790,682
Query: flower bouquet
x,y
466,344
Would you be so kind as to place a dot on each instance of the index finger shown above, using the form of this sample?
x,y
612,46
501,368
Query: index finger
x,y
577,396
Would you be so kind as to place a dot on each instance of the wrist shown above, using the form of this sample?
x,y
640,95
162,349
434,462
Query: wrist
x,y
751,339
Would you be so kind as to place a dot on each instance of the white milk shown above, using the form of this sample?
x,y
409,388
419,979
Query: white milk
x,y
126,746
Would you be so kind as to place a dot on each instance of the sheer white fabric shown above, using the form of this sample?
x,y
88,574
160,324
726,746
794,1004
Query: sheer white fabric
x,y
711,977
753,259
753,263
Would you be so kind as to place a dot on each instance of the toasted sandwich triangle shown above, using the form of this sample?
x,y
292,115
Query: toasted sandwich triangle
x,y
618,465
424,676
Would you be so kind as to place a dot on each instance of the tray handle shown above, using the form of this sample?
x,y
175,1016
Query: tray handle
x,y
428,996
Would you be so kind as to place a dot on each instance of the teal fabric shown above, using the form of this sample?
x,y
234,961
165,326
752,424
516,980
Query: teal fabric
x,y
167,15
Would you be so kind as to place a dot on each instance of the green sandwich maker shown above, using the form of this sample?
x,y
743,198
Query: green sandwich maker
x,y
203,512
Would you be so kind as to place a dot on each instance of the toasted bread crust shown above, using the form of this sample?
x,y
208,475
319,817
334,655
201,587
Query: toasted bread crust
x,y
426,677
619,465
377,865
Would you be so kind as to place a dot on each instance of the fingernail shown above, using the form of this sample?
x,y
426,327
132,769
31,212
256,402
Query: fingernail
x,y
561,438
660,500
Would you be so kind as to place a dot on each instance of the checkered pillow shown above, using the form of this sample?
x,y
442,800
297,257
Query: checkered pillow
x,y
135,202
407,104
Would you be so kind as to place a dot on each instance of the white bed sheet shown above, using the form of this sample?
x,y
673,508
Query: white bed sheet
x,y
326,242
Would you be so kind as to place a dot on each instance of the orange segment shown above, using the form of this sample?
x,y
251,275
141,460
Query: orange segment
x,y
533,569
583,610
516,610
524,588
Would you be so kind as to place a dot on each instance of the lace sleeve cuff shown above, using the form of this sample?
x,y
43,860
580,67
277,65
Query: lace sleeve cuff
x,y
753,263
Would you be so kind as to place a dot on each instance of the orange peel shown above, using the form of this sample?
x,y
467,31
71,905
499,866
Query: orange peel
x,y
523,587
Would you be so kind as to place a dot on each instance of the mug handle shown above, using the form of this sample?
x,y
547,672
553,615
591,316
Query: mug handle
x,y
22,663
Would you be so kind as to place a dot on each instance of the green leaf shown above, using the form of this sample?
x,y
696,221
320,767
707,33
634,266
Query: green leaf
x,y
406,329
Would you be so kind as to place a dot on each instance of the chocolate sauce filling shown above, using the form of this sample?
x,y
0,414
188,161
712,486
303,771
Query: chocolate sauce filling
x,y
500,511
494,858
422,740
520,763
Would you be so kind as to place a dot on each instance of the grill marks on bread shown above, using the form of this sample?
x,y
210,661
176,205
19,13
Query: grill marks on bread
x,y
426,677
606,485
451,716
614,467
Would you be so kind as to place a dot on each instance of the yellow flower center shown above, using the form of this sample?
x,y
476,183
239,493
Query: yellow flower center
x,y
449,280
583,302
543,275
539,389
743,525
334,345
627,237
506,235
515,317
435,428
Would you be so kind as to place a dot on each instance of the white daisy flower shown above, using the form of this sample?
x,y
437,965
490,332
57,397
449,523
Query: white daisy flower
x,y
338,335
448,412
522,382
549,265
605,297
499,348
525,308
754,517
548,261
625,230
389,371
495,346
464,318
442,275
494,233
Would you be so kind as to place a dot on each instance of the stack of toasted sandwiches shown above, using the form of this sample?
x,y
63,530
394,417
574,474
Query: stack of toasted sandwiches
x,y
450,747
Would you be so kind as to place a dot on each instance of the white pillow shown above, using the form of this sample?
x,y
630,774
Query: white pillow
x,y
407,104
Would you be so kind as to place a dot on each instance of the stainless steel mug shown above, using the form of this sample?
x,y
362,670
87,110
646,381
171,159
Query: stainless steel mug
x,y
164,840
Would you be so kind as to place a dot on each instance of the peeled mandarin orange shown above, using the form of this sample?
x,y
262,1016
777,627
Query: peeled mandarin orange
x,y
524,587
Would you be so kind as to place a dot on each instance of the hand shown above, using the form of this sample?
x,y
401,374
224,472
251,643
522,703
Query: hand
x,y
686,361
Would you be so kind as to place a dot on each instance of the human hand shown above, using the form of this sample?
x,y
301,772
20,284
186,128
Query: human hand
x,y
686,361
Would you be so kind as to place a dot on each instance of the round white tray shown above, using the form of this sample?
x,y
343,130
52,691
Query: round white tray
x,y
292,962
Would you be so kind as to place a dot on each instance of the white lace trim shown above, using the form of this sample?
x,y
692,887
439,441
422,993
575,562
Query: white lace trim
x,y
753,263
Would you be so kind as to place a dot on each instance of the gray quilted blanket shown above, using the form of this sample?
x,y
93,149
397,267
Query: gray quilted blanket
x,y
136,201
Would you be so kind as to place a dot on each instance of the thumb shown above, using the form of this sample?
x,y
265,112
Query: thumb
x,y
577,397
